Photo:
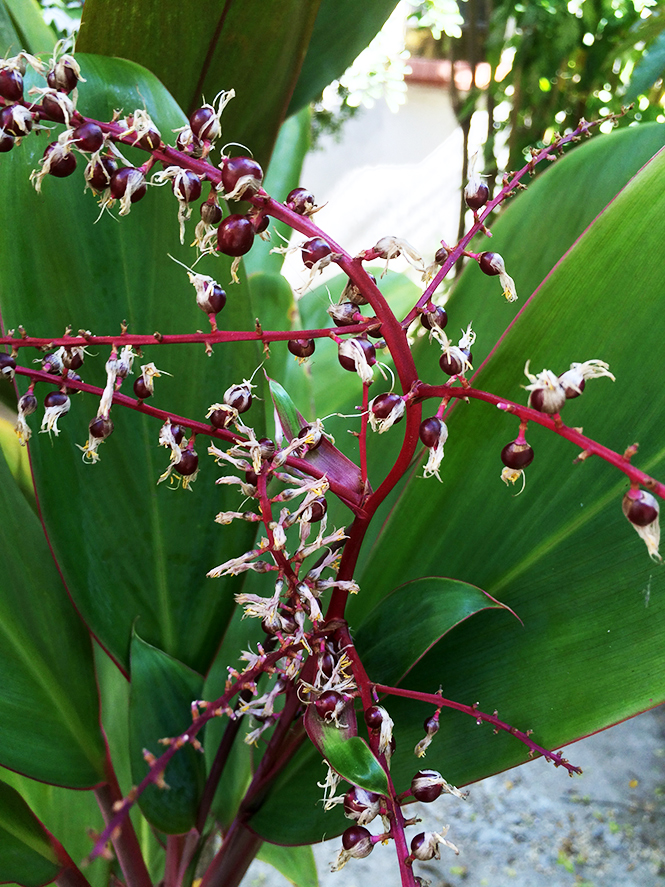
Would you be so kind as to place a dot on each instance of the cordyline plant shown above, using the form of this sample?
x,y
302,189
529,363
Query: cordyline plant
x,y
221,736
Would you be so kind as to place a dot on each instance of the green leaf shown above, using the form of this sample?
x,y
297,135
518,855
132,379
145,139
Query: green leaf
x,y
68,814
49,707
561,555
17,458
409,621
340,35
647,70
34,34
295,863
26,853
255,48
354,761
161,694
129,548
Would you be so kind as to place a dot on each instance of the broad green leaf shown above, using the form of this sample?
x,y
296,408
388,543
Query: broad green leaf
x,y
255,47
49,707
561,555
127,547
354,761
409,621
161,694
16,457
648,69
33,33
69,815
341,32
295,863
26,853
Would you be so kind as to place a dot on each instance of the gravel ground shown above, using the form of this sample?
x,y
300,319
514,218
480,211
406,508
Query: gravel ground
x,y
533,826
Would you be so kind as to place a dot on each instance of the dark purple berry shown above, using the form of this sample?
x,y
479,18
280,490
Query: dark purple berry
x,y
7,365
205,124
517,455
328,703
122,178
642,511
426,786
313,250
141,390
383,405
491,263
62,76
239,397
187,186
101,427
301,201
236,168
431,725
235,235
260,223
211,213
374,717
344,352
301,347
478,197
88,137
98,174
452,365
178,433
251,477
221,419
267,448
326,663
187,142
55,399
430,432
72,360
344,313
358,800
438,317
6,142
16,120
11,84
441,255
54,109
354,836
62,163
313,433
215,299
188,463
318,509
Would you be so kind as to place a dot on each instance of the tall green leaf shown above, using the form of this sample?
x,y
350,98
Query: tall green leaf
x,y
26,853
32,32
49,708
128,548
561,555
295,863
255,47
161,694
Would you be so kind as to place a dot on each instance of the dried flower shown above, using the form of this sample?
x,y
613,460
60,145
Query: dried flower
x,y
548,394
642,510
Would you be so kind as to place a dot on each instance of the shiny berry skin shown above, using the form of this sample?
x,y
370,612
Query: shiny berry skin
x,y
367,347
430,432
301,347
55,399
640,512
7,365
316,434
235,235
260,223
354,835
236,168
344,314
427,793
64,163
251,477
100,427
6,142
327,703
383,405
220,419
187,187
189,462
119,181
431,725
374,717
438,317
98,174
149,141
516,455
62,77
16,120
487,265
239,397
441,255
478,198
141,390
452,365
300,200
357,801
72,360
319,507
178,433
11,84
52,108
313,250
205,124
216,299
88,137
211,213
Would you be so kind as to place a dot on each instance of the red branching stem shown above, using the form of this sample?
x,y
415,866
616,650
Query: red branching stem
x,y
362,440
119,807
348,497
526,414
440,702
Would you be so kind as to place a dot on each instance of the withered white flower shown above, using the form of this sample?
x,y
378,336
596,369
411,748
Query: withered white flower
x,y
53,413
57,152
149,373
497,266
547,394
353,350
140,124
574,379
428,845
436,454
383,424
512,475
62,100
391,247
26,406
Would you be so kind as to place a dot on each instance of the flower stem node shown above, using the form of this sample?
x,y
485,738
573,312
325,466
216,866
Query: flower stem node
x,y
642,510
